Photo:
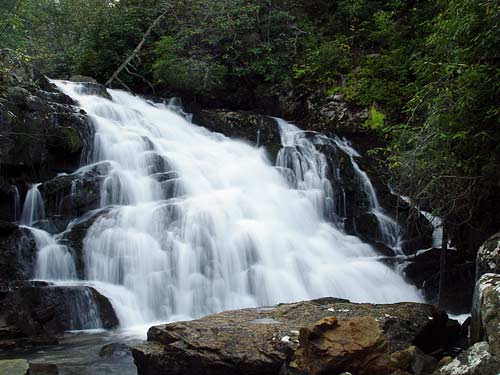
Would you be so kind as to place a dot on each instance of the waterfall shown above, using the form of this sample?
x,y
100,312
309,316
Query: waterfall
x,y
435,221
84,313
202,223
53,261
33,209
388,227
305,168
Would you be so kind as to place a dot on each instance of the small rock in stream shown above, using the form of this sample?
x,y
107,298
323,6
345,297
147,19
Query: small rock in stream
x,y
115,349
43,369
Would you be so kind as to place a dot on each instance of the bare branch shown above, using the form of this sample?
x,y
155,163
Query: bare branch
x,y
136,50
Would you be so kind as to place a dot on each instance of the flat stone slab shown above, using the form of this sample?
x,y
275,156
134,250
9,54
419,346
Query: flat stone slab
x,y
13,367
260,340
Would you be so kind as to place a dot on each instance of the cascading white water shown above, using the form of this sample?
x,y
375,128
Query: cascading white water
x,y
388,227
53,261
17,203
305,169
202,223
33,209
435,221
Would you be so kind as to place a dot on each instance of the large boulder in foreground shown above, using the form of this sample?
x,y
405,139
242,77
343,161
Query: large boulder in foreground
x,y
486,312
263,340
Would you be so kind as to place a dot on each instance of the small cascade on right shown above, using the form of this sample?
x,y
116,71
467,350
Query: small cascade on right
x,y
388,227
305,167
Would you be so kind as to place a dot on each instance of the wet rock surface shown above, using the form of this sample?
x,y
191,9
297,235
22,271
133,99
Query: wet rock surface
x,y
42,132
17,252
32,313
74,235
254,128
43,369
262,340
74,194
115,349
423,270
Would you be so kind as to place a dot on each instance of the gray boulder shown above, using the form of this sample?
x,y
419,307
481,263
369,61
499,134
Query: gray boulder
x,y
486,312
488,256
476,360
13,367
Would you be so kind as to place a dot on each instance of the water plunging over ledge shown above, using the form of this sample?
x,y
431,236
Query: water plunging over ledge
x,y
200,223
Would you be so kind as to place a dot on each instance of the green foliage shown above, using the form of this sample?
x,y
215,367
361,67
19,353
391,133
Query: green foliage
x,y
108,37
375,121
325,63
184,73
450,149
243,43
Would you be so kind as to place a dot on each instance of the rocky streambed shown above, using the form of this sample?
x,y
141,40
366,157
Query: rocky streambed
x,y
76,353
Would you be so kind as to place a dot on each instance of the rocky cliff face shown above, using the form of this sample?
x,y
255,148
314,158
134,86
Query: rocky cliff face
x,y
43,136
42,133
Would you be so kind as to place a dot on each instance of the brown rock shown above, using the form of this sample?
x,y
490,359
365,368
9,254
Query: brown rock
x,y
413,360
42,369
332,346
400,372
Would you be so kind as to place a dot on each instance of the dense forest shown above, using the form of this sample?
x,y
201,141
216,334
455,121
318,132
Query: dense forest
x,y
428,71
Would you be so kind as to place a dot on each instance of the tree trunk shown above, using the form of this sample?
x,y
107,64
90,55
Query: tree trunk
x,y
442,267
